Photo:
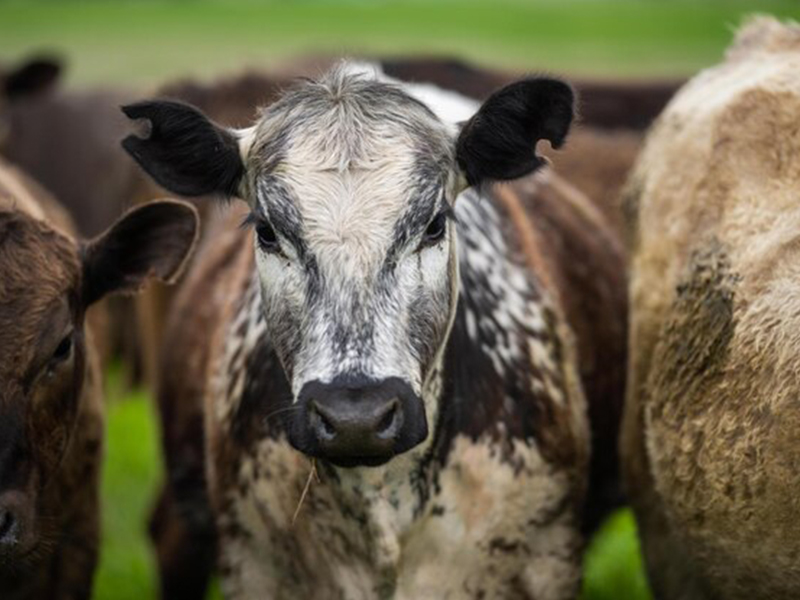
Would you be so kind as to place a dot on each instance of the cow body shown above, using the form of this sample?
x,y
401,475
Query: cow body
x,y
488,505
491,505
710,425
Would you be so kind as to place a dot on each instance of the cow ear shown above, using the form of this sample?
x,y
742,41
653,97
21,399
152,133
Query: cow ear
x,y
32,77
499,142
154,240
185,152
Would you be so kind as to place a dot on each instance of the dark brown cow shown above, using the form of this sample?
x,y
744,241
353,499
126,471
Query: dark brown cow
x,y
66,140
23,82
597,161
51,410
436,384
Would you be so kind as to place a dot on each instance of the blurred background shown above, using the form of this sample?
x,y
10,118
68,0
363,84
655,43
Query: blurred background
x,y
138,46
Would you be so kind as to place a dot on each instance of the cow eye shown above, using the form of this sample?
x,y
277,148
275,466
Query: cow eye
x,y
435,231
267,238
63,350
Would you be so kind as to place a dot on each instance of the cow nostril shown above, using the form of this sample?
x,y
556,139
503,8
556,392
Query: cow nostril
x,y
325,429
8,527
386,425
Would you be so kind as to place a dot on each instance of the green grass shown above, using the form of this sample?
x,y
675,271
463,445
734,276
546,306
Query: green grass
x,y
141,42
613,568
132,472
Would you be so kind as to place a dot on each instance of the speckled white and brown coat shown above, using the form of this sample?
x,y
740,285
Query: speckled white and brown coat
x,y
488,506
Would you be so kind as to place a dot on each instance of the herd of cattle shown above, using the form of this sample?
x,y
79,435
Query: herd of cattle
x,y
417,359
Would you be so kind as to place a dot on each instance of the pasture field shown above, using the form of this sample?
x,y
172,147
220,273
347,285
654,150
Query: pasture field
x,y
141,43
144,41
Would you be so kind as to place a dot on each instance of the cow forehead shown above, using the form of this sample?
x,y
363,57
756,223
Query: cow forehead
x,y
353,155
38,267
346,120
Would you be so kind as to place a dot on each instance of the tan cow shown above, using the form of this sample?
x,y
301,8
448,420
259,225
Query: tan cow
x,y
710,440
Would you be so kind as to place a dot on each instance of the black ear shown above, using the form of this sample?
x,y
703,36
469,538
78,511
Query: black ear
x,y
499,142
152,240
32,77
185,152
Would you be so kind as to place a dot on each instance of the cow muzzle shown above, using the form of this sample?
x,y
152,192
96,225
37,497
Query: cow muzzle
x,y
358,422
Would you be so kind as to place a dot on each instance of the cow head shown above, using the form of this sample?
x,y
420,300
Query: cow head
x,y
351,184
25,80
47,281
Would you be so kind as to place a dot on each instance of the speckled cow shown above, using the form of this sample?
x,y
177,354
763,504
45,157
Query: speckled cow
x,y
51,409
710,444
390,332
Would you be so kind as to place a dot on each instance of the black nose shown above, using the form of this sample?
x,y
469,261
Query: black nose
x,y
357,421
9,529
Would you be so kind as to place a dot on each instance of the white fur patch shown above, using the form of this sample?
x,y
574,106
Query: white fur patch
x,y
488,528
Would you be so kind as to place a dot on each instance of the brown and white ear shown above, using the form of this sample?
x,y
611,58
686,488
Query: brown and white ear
x,y
185,152
154,240
499,142
32,77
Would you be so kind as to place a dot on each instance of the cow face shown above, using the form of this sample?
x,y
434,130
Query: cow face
x,y
351,184
47,281
23,81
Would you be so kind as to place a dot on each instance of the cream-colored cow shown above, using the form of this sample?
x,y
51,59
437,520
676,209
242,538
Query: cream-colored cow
x,y
711,428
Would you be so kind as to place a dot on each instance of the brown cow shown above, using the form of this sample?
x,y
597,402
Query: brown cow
x,y
67,141
710,441
23,82
51,413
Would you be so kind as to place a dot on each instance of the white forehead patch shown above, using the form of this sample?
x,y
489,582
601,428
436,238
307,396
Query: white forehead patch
x,y
349,216
353,153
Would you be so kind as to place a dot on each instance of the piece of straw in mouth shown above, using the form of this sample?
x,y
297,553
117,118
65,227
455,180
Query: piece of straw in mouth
x,y
312,475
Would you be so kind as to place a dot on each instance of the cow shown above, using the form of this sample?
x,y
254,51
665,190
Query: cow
x,y
23,82
595,159
67,141
373,389
711,418
51,409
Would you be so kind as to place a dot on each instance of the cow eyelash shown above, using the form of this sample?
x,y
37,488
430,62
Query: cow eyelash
x,y
60,355
436,229
265,233
63,350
